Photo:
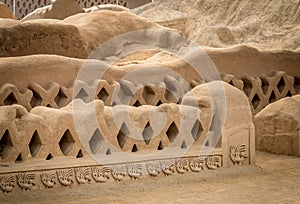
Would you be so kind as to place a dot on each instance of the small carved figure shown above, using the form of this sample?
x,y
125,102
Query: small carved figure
x,y
197,164
182,166
83,175
100,174
7,183
167,167
48,179
65,177
213,162
26,181
238,154
153,169
118,173
134,170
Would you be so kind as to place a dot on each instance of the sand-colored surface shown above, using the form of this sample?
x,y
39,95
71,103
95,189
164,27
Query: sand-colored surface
x,y
264,24
274,179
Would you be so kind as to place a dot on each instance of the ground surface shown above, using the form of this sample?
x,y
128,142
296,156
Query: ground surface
x,y
274,179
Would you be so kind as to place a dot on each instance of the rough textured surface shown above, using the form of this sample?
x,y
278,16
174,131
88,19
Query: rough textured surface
x,y
5,12
166,17
277,127
111,7
96,27
260,88
58,9
77,36
264,24
42,38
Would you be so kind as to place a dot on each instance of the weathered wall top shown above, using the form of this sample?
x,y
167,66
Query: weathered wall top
x,y
23,7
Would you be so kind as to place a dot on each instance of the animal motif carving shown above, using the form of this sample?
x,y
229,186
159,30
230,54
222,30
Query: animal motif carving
x,y
167,167
48,179
182,166
118,173
7,183
100,174
213,162
197,164
65,177
134,170
26,181
153,169
83,175
238,154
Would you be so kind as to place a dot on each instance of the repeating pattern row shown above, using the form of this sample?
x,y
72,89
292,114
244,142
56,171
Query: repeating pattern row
x,y
264,90
46,133
101,174
260,91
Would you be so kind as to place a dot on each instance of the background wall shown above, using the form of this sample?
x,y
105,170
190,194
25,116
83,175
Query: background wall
x,y
23,7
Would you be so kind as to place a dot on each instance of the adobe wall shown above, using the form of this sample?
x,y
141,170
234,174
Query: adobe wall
x,y
24,7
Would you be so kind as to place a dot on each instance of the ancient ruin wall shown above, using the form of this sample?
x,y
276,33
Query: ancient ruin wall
x,y
24,7
48,137
260,92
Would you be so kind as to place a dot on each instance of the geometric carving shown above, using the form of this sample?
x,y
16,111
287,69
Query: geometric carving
x,y
36,99
134,148
66,142
158,103
5,145
123,135
19,158
147,133
148,95
137,103
160,146
255,101
183,145
35,144
238,154
172,132
247,86
49,157
197,130
272,97
281,85
82,94
61,98
103,95
79,154
10,99
96,141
